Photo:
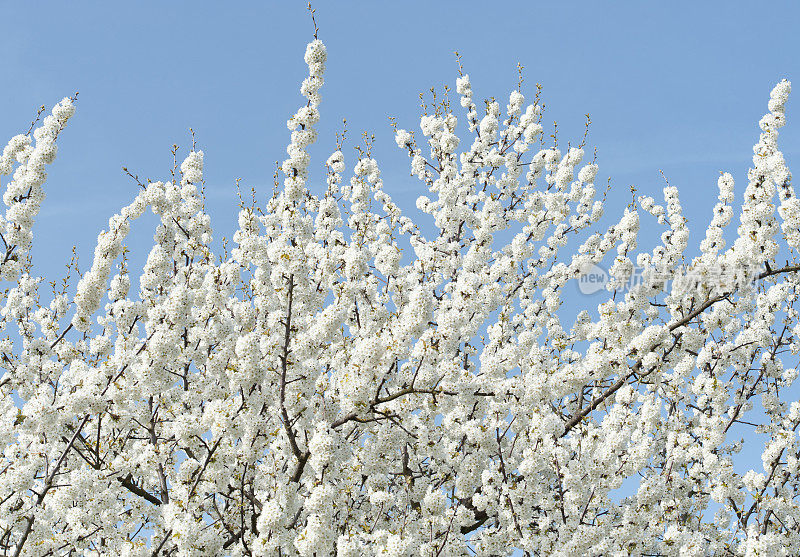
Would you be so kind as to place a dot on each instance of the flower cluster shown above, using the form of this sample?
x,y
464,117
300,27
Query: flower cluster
x,y
24,194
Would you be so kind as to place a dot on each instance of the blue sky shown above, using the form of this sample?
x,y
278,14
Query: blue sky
x,y
676,86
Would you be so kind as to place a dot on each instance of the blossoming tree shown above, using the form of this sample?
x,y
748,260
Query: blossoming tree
x,y
318,392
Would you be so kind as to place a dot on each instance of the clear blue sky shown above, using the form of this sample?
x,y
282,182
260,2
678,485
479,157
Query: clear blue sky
x,y
677,86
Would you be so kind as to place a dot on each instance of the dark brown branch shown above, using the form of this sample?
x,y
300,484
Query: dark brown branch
x,y
157,550
576,419
128,484
162,478
48,483
302,456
